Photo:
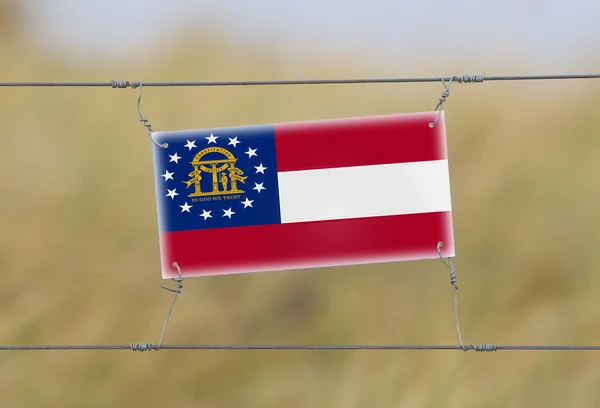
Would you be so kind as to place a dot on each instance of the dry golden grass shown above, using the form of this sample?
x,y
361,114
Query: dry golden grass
x,y
80,262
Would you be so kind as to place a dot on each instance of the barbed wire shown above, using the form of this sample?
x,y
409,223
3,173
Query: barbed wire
x,y
148,347
152,347
459,79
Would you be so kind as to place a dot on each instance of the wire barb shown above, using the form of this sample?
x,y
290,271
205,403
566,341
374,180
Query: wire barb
x,y
124,84
484,347
468,79
141,347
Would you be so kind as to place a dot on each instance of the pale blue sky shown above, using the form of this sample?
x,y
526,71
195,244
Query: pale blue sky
x,y
549,35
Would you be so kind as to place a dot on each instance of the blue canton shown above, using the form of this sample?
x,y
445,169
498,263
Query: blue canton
x,y
216,178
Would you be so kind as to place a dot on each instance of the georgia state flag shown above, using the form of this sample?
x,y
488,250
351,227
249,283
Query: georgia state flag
x,y
302,195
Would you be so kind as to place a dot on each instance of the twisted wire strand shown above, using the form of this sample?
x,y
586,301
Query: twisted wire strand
x,y
176,292
440,106
125,84
453,279
143,119
470,78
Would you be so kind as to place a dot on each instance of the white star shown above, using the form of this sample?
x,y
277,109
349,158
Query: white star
x,y
251,152
258,187
171,193
260,168
228,213
247,203
185,207
191,144
212,139
167,175
233,141
174,158
205,214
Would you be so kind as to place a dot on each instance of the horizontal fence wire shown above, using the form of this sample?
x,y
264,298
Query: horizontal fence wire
x,y
460,79
152,347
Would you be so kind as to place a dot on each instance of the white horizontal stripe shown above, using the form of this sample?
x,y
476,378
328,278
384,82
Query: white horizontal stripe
x,y
364,191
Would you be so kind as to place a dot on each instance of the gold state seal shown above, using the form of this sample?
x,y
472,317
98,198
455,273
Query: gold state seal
x,y
223,172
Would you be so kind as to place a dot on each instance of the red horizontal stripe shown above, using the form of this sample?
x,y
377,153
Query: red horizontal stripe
x,y
359,141
306,245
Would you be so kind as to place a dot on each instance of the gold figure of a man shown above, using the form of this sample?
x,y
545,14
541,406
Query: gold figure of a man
x,y
196,176
224,181
235,175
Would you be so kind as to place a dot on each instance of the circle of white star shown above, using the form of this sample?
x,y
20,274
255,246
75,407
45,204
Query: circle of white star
x,y
212,139
174,158
171,193
251,152
205,214
260,168
185,207
247,203
168,176
228,213
233,141
258,187
190,144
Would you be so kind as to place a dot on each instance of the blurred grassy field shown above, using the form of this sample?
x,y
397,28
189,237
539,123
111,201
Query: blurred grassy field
x,y
80,262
